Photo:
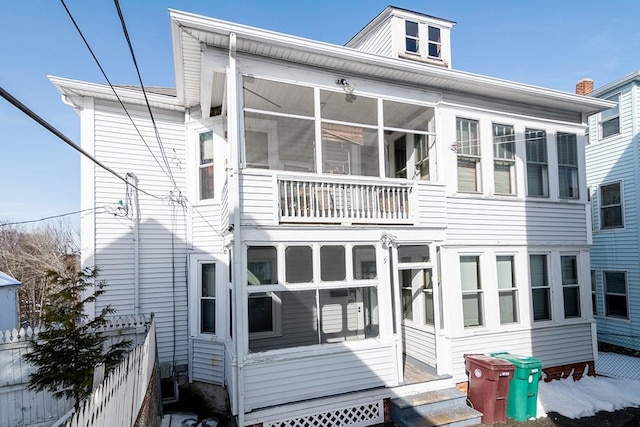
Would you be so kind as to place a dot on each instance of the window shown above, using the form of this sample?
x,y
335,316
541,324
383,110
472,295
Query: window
x,y
611,214
407,278
570,286
299,264
468,148
427,291
540,289
421,150
504,159
207,278
413,253
610,119
568,165
507,291
400,156
615,294
332,263
472,306
262,306
537,175
205,165
434,42
364,263
412,39
594,292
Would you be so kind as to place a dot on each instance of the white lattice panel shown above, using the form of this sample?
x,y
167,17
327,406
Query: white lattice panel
x,y
364,414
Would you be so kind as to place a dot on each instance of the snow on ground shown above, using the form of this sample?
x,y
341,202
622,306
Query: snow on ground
x,y
577,399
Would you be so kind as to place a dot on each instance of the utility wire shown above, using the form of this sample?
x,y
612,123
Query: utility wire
x,y
144,92
49,217
104,74
19,105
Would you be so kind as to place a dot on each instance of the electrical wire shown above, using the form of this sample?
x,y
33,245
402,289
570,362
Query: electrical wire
x,y
16,103
49,217
144,92
104,74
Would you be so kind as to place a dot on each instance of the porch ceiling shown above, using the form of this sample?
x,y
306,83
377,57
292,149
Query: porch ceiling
x,y
191,31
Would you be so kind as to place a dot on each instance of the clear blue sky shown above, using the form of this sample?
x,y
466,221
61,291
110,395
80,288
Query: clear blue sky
x,y
547,43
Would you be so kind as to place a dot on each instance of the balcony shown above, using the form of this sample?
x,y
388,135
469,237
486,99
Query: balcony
x,y
347,200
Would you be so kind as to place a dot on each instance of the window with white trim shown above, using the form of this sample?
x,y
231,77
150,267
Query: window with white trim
x,y
570,286
412,37
540,287
567,145
205,166
435,44
537,163
616,298
472,292
504,159
507,289
594,292
610,119
468,149
263,307
611,212
207,280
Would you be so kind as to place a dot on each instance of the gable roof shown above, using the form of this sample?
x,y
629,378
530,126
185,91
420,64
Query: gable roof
x,y
635,76
6,280
191,32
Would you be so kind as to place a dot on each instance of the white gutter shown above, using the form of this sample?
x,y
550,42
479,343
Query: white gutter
x,y
615,84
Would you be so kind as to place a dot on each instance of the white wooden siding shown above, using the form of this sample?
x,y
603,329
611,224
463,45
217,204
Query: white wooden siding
x,y
162,235
493,221
554,346
208,361
272,381
378,41
420,344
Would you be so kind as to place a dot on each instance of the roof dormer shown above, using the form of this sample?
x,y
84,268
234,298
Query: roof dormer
x,y
401,33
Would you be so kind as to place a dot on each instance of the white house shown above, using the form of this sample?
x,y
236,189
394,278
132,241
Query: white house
x,y
326,225
612,177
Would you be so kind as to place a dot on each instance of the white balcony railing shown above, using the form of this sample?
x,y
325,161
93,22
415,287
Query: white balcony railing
x,y
343,201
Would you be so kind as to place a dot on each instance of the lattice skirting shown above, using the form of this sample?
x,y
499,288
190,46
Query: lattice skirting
x,y
361,415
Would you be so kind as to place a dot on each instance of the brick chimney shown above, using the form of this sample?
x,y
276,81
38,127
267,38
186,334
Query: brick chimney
x,y
584,87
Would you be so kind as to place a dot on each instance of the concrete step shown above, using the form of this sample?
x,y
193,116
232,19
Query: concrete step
x,y
429,401
462,416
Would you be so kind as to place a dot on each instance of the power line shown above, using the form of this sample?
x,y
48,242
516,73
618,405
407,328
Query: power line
x,y
49,217
144,92
6,95
104,74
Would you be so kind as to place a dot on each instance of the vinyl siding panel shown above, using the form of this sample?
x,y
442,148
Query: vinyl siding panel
x,y
272,382
208,361
432,208
258,195
420,344
495,221
379,41
554,346
162,230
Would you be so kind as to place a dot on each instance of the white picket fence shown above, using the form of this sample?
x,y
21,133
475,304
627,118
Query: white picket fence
x,y
117,401
20,406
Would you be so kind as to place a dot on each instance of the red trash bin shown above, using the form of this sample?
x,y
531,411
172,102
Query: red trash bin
x,y
489,379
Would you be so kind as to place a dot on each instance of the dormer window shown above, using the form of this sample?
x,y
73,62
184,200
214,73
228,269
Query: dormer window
x,y
434,42
412,37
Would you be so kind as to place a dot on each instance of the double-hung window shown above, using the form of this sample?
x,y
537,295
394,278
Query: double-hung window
x,y
540,289
468,148
205,165
504,158
507,290
412,38
207,279
615,294
472,302
570,286
568,165
610,119
537,164
611,213
263,307
594,292
435,45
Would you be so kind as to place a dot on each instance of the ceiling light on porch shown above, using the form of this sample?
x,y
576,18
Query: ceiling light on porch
x,y
345,86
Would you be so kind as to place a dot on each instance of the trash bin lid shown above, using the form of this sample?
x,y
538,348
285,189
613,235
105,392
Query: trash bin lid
x,y
519,361
488,362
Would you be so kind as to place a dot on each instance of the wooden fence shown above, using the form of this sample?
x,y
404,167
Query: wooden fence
x,y
20,406
118,400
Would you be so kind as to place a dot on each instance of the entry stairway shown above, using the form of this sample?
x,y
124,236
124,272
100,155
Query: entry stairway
x,y
444,407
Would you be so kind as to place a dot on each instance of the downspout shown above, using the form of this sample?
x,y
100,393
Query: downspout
x,y
135,216
234,195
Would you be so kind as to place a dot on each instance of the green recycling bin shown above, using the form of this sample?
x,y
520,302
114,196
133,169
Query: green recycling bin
x,y
522,400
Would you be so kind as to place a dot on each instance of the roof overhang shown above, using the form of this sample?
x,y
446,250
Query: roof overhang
x,y
74,91
635,76
7,281
191,31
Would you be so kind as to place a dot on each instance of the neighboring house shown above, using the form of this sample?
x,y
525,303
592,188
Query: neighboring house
x,y
337,210
612,176
8,302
